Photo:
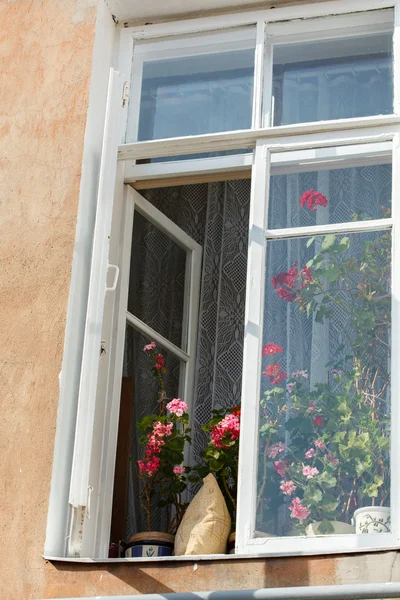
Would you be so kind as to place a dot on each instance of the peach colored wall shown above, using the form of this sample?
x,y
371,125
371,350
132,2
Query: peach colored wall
x,y
45,64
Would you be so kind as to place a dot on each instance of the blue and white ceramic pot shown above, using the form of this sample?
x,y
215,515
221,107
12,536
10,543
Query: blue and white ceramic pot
x,y
148,544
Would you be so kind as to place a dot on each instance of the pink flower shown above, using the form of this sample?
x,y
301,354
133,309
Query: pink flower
x,y
310,453
149,347
178,470
280,467
228,429
298,374
276,449
177,407
319,444
275,374
298,510
312,199
290,387
287,487
309,472
160,429
311,407
150,467
271,348
337,373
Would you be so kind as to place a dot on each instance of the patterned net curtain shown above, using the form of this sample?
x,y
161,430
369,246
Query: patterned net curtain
x,y
216,216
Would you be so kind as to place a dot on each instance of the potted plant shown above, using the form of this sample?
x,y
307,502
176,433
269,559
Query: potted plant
x,y
160,471
324,447
220,457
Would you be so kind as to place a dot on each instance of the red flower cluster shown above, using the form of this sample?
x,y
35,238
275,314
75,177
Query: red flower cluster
x,y
159,362
271,348
312,199
285,283
154,446
275,374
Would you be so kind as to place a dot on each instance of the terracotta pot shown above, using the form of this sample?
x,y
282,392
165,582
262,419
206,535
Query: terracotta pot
x,y
148,544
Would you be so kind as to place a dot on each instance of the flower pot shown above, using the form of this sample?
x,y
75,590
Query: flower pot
x,y
339,528
148,544
372,519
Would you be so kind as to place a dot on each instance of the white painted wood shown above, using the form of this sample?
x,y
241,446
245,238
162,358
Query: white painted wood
x,y
233,140
396,59
330,28
91,350
251,361
155,216
351,227
283,13
259,74
152,334
186,168
395,342
109,392
206,43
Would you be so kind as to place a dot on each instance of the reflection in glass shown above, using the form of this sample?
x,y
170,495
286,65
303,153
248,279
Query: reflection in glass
x,y
333,79
157,280
324,391
198,94
356,193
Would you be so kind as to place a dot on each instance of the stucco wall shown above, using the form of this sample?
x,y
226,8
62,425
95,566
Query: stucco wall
x,y
45,65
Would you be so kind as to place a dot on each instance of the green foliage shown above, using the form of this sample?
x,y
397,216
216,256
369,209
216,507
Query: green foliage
x,y
348,415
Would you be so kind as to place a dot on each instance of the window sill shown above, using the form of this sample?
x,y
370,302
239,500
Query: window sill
x,y
215,557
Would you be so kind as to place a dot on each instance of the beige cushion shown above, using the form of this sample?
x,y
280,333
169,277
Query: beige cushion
x,y
206,524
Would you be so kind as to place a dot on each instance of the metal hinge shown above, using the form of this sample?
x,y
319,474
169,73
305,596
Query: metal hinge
x,y
125,94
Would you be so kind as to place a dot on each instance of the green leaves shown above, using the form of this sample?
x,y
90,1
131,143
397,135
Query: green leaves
x,y
328,241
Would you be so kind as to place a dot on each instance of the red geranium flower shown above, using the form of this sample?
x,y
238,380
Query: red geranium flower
x,y
275,374
312,199
319,421
285,282
271,348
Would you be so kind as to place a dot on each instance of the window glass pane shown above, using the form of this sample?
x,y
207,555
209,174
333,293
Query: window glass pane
x,y
308,198
324,391
157,280
333,79
199,94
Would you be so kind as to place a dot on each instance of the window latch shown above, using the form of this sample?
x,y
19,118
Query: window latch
x,y
116,275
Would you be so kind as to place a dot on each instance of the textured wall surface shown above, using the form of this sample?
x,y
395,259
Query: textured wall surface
x,y
45,63
45,66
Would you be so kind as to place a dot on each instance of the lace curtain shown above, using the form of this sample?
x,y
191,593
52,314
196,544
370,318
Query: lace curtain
x,y
216,216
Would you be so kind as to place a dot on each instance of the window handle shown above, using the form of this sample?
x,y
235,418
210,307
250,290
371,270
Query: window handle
x,y
116,275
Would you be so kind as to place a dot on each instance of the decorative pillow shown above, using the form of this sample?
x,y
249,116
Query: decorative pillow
x,y
206,523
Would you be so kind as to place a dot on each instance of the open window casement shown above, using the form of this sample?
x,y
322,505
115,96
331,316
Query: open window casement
x,y
83,495
107,321
357,186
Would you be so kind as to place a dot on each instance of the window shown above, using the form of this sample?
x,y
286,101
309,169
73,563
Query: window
x,y
280,131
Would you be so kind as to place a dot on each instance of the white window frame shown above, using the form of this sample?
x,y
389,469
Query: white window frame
x,y
347,132
259,234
